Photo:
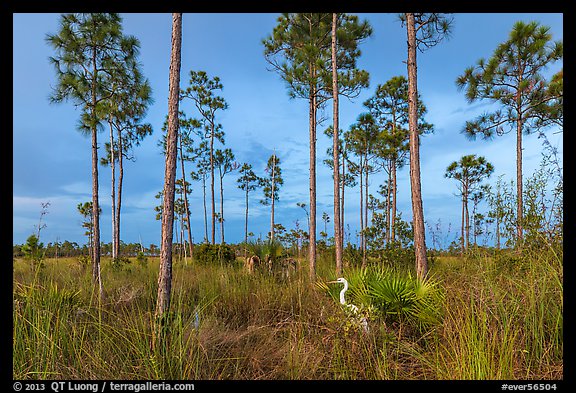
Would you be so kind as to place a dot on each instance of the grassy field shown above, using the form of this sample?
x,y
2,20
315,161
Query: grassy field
x,y
501,318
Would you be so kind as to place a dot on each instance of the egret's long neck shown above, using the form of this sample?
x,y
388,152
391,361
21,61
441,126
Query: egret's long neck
x,y
342,292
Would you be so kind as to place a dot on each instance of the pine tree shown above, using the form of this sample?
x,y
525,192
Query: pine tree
x,y
224,160
89,48
513,78
202,92
469,172
423,31
299,49
248,181
271,185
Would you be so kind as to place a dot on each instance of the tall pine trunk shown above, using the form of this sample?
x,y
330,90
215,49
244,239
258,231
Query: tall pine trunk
x,y
462,242
190,244
364,248
246,219
336,154
205,208
416,188
96,276
273,199
113,180
119,196
394,202
467,217
165,275
312,219
213,228
389,203
221,207
519,197
342,203
361,171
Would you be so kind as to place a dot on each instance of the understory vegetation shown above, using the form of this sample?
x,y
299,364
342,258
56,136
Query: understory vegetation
x,y
485,315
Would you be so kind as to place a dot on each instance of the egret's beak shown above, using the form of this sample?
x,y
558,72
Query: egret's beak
x,y
332,282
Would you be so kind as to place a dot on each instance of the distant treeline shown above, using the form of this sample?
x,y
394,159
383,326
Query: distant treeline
x,y
73,249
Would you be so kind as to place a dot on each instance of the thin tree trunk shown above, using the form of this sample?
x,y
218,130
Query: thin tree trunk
x,y
187,210
364,256
474,226
394,202
361,169
462,226
336,154
388,203
213,229
417,209
113,194
312,218
342,203
467,217
497,230
221,207
96,276
119,197
246,220
205,208
519,197
165,275
272,202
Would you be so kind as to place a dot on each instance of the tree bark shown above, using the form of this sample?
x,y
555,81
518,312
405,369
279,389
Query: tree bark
x,y
388,212
165,275
221,208
342,203
119,196
417,209
96,276
364,248
190,244
462,226
113,194
312,218
336,154
361,172
246,220
519,197
394,202
467,216
272,201
497,230
213,229
205,208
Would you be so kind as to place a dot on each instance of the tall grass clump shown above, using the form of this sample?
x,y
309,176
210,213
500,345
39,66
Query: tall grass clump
x,y
503,317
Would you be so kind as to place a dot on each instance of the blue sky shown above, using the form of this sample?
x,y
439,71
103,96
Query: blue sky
x,y
51,159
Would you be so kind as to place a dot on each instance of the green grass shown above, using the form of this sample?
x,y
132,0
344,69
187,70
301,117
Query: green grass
x,y
500,318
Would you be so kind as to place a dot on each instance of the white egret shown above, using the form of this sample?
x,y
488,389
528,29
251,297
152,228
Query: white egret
x,y
352,307
342,280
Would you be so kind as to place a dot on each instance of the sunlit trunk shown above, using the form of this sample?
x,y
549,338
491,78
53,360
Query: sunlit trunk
x,y
336,154
165,275
312,218
96,276
417,209
113,194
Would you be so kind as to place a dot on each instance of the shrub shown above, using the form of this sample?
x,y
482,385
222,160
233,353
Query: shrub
x,y
141,258
119,263
34,251
214,253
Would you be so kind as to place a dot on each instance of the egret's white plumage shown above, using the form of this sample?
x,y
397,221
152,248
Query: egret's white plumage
x,y
342,280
